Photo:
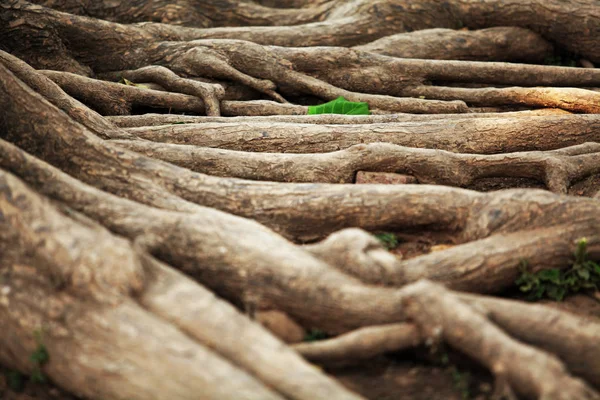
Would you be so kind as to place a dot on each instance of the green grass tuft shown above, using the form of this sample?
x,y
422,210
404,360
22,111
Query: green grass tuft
x,y
555,284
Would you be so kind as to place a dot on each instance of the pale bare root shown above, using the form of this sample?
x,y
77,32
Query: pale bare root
x,y
205,319
324,73
150,119
570,99
361,344
437,315
305,284
189,64
343,23
493,44
557,169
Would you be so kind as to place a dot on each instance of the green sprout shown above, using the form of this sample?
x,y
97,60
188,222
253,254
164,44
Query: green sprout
x,y
39,357
389,240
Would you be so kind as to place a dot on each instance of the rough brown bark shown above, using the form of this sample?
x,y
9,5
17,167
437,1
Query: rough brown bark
x,y
470,135
352,72
195,13
133,243
492,44
557,169
150,119
361,21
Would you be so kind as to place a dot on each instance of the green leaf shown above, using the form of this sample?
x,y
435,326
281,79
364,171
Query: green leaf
x,y
40,355
340,106
556,292
389,240
550,275
539,292
584,274
595,267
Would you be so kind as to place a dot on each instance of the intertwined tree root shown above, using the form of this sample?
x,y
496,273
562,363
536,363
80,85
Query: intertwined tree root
x,y
140,247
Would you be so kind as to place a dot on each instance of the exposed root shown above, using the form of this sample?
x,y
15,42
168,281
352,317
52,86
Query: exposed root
x,y
469,135
492,44
570,99
359,345
558,169
149,119
441,316
112,98
210,94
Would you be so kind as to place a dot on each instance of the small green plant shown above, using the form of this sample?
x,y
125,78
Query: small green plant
x,y
315,334
15,380
340,106
389,240
39,357
555,284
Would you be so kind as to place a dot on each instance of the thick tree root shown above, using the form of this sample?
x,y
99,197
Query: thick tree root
x,y
149,119
118,100
95,238
278,273
558,169
202,316
364,343
570,99
193,13
469,135
437,317
325,73
54,94
362,21
493,44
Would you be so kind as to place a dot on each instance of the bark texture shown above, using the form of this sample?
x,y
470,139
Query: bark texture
x,y
172,223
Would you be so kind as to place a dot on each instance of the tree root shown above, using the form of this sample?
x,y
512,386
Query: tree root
x,y
111,98
362,21
210,94
325,73
493,44
361,344
570,99
469,135
132,273
282,274
191,12
149,119
414,299
558,169
54,94
441,316
118,99
201,317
